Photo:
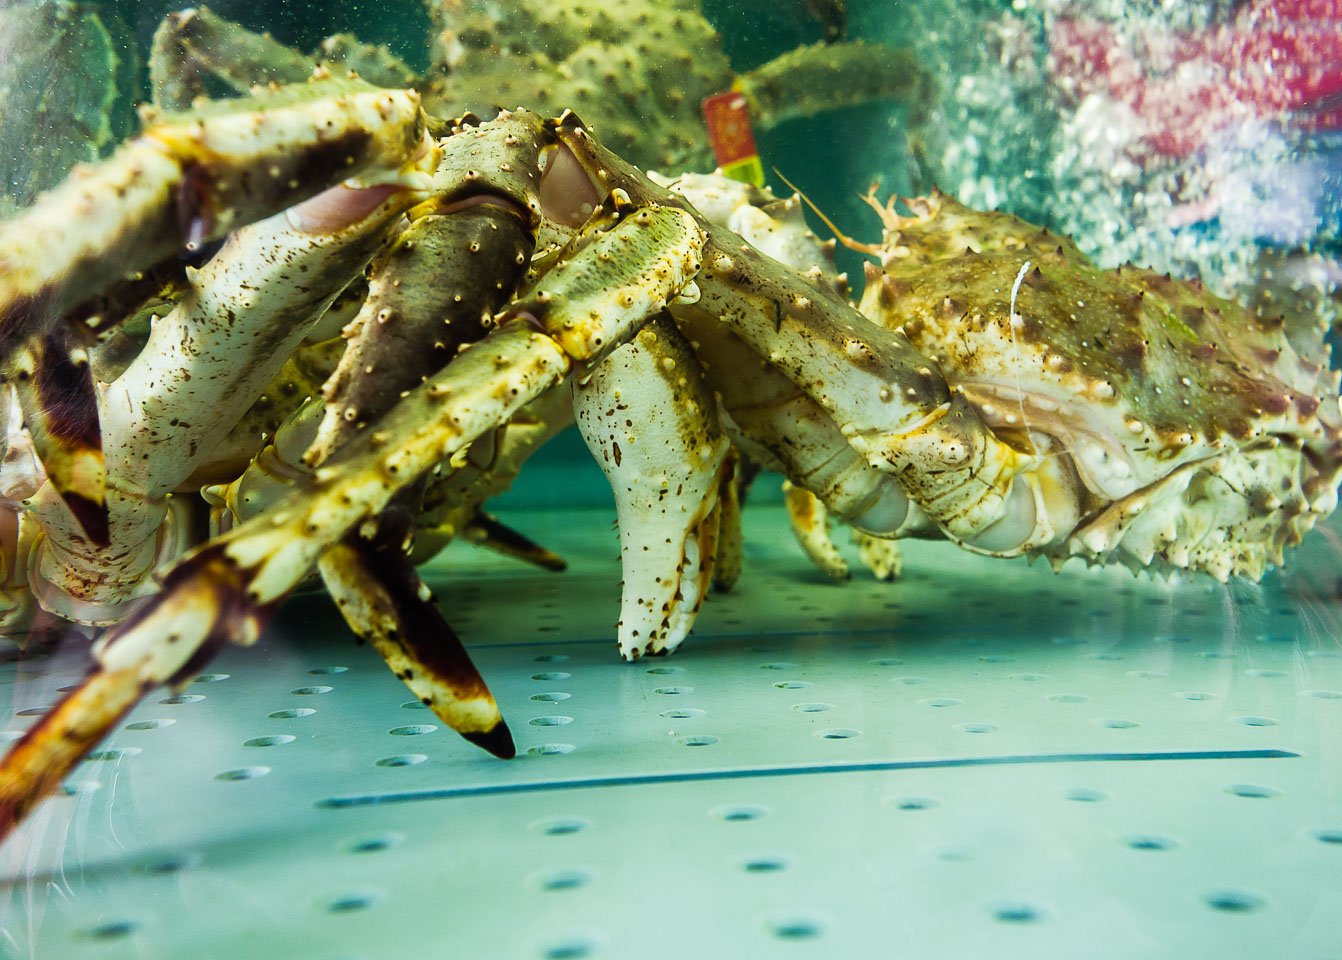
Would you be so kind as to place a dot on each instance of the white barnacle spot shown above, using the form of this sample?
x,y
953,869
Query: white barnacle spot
x,y
1104,390
885,394
1185,381
668,363
1134,425
383,315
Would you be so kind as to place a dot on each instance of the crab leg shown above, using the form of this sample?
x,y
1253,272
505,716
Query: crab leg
x,y
190,178
202,368
623,269
434,290
648,417
890,403
54,384
452,503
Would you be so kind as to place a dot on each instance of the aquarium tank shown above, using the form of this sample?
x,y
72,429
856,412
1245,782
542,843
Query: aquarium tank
x,y
855,477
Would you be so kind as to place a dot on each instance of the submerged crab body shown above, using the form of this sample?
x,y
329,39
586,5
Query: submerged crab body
x,y
967,402
1194,433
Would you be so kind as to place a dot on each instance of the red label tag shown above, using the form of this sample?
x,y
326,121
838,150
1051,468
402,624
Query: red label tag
x,y
729,128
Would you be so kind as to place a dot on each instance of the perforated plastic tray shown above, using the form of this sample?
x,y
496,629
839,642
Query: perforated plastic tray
x,y
982,760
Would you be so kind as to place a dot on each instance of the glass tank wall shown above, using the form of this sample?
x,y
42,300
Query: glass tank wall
x,y
1035,654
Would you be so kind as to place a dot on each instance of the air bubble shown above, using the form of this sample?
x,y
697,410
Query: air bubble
x,y
148,724
766,863
551,697
838,733
291,714
701,740
551,749
812,707
273,740
552,675
419,705
243,773
551,658
665,671
1118,724
673,691
402,760
555,721
687,713
793,684
941,702
1256,721
311,691
183,698
324,671
210,678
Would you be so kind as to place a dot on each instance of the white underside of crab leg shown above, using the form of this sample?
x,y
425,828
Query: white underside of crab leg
x,y
648,417
202,368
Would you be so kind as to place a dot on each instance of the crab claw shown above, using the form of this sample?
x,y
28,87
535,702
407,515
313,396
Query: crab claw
x,y
649,419
386,603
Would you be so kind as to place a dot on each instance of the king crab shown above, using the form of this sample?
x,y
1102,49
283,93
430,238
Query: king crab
x,y
995,389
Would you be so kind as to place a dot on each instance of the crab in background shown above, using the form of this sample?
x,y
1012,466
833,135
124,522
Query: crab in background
x,y
994,389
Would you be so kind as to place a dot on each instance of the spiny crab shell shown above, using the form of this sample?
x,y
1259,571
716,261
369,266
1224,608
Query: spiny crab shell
x,y
1203,435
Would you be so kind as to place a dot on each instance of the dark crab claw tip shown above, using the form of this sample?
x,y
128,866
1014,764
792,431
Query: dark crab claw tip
x,y
498,740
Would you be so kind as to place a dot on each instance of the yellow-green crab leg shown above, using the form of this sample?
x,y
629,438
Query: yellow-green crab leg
x,y
890,402
622,270
190,178
203,366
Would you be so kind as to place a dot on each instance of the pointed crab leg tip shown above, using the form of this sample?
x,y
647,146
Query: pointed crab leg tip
x,y
498,740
